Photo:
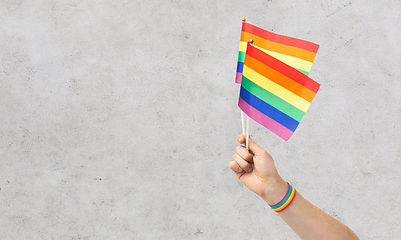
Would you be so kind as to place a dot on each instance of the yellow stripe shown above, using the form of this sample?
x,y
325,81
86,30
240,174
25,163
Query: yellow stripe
x,y
273,46
242,46
276,89
286,204
290,60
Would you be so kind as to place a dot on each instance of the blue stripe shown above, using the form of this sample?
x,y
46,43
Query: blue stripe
x,y
284,200
269,110
240,67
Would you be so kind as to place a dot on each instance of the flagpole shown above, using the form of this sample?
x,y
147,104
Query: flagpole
x,y
247,132
247,117
242,117
242,112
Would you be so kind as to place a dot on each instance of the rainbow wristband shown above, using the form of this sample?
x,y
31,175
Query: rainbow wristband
x,y
286,201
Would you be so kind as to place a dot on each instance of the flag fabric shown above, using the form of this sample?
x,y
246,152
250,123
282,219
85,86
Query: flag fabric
x,y
297,53
273,93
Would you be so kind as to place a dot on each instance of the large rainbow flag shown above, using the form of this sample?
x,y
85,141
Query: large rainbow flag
x,y
297,53
273,93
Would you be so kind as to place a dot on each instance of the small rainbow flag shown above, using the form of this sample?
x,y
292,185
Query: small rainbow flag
x,y
297,53
274,94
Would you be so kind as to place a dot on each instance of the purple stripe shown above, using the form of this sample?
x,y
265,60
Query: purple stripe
x,y
268,110
264,120
238,78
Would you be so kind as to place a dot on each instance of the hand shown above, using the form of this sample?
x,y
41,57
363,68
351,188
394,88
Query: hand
x,y
256,170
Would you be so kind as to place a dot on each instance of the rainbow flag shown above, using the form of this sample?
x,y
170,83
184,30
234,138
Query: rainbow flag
x,y
297,53
274,94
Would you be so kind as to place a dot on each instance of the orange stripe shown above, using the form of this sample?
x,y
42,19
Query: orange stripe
x,y
278,47
280,79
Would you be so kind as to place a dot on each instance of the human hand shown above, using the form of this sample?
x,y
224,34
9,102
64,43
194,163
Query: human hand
x,y
256,170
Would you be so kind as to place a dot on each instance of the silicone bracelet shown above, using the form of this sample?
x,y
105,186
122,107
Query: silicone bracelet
x,y
286,201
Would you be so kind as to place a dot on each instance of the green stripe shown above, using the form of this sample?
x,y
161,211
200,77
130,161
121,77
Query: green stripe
x,y
241,56
302,71
272,99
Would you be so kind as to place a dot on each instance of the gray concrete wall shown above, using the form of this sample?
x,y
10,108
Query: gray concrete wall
x,y
118,118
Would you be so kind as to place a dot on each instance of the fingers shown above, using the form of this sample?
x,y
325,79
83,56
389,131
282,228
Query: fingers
x,y
244,153
255,148
236,168
242,163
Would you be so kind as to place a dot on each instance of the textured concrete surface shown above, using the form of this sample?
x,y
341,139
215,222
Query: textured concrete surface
x,y
118,118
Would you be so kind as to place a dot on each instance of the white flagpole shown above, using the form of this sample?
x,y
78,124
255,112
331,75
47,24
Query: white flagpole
x,y
242,116
242,112
242,121
247,132
247,117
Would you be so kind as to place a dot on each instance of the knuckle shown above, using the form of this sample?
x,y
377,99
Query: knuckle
x,y
238,148
235,156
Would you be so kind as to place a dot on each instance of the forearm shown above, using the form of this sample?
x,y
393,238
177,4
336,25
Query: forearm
x,y
310,222
255,168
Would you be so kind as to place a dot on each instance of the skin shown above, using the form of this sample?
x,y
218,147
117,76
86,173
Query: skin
x,y
256,170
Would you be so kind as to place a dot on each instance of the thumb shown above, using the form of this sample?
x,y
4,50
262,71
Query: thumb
x,y
254,147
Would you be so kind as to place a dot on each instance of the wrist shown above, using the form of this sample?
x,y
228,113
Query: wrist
x,y
275,192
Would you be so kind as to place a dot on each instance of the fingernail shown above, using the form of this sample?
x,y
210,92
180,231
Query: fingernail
x,y
240,169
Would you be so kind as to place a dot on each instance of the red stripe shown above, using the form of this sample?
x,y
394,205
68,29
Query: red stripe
x,y
295,42
295,193
282,68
